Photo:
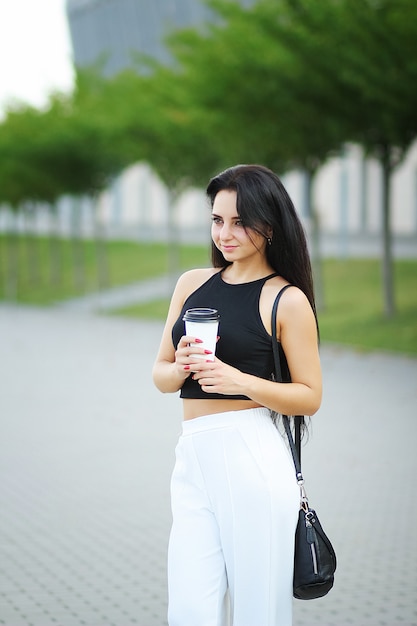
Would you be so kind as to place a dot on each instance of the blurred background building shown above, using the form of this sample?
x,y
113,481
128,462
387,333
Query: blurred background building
x,y
116,30
347,189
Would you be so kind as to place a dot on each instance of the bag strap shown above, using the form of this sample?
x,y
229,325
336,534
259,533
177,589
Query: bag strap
x,y
294,445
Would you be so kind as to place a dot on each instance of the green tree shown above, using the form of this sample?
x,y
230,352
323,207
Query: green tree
x,y
21,183
287,84
69,148
159,125
383,71
245,86
87,153
366,53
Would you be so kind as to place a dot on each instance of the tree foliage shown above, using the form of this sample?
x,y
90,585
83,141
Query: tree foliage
x,y
366,52
288,83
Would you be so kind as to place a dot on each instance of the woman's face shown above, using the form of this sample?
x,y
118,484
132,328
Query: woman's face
x,y
228,233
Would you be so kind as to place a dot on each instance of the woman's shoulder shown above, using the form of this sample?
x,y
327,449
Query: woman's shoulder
x,y
291,294
191,280
292,299
294,309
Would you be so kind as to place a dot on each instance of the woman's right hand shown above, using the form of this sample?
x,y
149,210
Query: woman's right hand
x,y
174,364
185,355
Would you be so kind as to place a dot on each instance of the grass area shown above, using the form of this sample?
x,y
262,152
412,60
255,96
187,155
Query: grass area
x,y
353,312
45,270
157,310
42,270
353,307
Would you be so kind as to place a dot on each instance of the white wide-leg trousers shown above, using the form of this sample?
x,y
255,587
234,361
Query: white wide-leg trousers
x,y
235,505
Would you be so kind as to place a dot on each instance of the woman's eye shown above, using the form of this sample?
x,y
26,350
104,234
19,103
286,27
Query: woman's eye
x,y
216,220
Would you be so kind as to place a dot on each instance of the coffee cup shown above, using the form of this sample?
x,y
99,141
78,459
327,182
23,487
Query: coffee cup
x,y
203,324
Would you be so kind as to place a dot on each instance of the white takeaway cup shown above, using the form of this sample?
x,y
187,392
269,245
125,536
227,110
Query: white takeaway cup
x,y
203,324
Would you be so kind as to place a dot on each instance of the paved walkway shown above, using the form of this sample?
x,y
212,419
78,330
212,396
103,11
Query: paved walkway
x,y
87,447
119,297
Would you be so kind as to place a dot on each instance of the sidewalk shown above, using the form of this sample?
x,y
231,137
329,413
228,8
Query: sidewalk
x,y
87,448
119,297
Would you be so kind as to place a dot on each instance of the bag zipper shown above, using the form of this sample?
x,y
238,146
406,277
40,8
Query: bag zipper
x,y
310,538
314,557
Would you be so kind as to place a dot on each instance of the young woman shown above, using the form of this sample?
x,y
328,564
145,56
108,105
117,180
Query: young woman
x,y
235,500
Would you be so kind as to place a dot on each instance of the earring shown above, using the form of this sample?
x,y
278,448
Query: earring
x,y
269,240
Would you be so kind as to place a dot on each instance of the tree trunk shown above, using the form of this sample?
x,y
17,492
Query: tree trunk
x,y
55,247
32,245
173,237
103,269
77,246
316,256
11,271
387,260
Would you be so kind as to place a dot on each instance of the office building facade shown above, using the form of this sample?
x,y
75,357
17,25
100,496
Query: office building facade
x,y
115,31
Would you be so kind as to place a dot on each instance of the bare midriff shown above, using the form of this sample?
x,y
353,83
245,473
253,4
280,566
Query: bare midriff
x,y
198,407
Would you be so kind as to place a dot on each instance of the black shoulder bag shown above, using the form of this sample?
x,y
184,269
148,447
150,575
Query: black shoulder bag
x,y
314,556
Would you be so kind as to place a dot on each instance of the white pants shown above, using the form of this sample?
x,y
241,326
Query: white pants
x,y
235,504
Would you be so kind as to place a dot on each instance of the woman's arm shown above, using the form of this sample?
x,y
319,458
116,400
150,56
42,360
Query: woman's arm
x,y
172,366
296,328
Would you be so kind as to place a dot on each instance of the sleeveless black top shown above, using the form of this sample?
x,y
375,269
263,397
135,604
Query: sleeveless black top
x,y
244,342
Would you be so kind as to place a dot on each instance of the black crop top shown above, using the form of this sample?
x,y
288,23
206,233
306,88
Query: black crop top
x,y
244,342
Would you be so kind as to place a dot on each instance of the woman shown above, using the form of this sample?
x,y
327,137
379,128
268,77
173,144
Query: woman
x,y
234,496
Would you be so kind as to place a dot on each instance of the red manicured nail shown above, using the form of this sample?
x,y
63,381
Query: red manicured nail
x,y
208,352
186,367
198,341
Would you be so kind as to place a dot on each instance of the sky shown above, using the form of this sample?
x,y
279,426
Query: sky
x,y
35,51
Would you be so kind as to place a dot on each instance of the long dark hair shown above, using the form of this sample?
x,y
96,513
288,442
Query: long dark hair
x,y
264,206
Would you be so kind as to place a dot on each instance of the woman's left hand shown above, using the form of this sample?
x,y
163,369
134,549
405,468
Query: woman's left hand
x,y
217,377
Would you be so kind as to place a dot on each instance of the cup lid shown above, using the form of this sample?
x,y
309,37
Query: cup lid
x,y
201,315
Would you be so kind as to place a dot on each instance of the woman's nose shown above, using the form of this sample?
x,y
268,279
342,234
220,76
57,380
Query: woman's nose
x,y
225,232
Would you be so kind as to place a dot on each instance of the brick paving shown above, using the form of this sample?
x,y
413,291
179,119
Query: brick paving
x,y
86,452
